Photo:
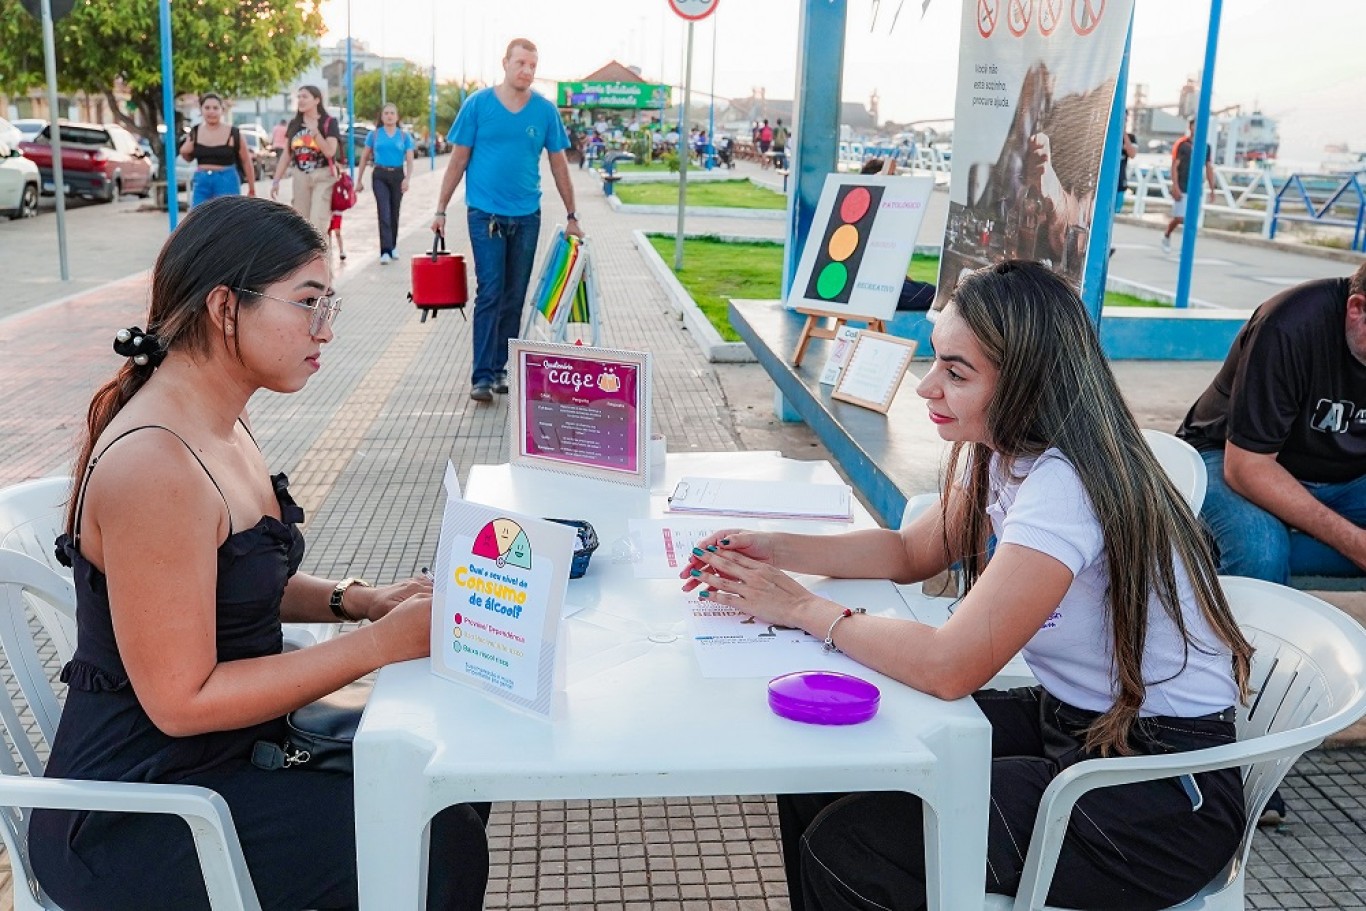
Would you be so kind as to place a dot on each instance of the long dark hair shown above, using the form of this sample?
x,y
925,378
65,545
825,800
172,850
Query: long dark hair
x,y
1056,390
232,242
298,119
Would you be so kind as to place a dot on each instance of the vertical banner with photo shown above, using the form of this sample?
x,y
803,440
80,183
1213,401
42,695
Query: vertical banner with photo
x,y
1036,82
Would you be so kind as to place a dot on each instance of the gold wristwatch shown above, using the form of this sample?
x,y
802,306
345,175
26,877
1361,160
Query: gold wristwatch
x,y
335,601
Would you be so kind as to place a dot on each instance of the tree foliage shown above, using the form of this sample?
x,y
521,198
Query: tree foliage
x,y
407,88
237,48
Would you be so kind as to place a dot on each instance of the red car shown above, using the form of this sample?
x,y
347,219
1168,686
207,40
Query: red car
x,y
99,161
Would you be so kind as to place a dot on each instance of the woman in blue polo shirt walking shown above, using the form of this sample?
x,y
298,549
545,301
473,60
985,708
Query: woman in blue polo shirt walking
x,y
391,147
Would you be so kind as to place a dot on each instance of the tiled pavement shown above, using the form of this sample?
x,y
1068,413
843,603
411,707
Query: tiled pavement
x,y
365,445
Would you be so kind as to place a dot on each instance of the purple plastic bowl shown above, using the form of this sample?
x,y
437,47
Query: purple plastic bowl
x,y
823,697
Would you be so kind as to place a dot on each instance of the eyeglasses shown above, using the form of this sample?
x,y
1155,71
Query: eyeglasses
x,y
324,307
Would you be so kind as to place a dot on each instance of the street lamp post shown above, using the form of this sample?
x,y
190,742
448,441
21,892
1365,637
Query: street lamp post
x,y
350,98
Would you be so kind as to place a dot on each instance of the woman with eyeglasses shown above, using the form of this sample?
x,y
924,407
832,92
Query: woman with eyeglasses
x,y
186,554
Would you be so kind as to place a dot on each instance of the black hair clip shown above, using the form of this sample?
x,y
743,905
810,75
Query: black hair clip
x,y
143,347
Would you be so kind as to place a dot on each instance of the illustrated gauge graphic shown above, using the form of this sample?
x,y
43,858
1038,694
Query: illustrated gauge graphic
x,y
844,242
504,542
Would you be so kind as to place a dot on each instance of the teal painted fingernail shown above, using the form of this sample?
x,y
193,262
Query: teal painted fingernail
x,y
711,548
725,540
695,573
704,594
697,552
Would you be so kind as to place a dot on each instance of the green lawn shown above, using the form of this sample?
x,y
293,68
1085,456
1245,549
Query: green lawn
x,y
734,194
716,270
641,167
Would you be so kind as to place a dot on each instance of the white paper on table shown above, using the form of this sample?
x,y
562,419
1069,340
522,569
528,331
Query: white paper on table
x,y
664,545
840,349
730,643
762,499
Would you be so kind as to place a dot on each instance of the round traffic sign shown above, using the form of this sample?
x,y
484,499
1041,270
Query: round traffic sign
x,y
693,10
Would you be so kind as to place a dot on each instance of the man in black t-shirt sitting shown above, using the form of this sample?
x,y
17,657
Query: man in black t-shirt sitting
x,y
1282,430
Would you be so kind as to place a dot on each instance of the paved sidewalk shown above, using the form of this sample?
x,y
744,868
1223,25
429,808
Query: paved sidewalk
x,y
365,445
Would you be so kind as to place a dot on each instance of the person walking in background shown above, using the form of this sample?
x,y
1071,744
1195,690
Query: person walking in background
x,y
179,669
221,155
780,136
765,144
313,140
334,235
392,150
1181,175
497,138
279,138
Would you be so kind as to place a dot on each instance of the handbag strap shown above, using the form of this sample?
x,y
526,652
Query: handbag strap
x,y
438,245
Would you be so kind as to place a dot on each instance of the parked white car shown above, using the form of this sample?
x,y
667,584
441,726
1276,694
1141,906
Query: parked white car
x,y
19,183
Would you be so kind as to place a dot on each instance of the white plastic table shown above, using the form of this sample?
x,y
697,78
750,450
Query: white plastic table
x,y
637,718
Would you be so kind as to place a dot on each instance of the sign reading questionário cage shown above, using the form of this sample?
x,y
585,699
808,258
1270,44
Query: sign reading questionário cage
x,y
642,95
582,410
500,581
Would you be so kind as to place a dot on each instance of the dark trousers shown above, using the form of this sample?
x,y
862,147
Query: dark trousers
x,y
1132,847
298,834
388,188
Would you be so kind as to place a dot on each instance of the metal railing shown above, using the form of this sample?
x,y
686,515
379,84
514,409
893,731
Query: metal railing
x,y
1238,192
1331,200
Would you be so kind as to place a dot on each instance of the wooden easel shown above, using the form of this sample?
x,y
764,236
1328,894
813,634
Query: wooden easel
x,y
815,328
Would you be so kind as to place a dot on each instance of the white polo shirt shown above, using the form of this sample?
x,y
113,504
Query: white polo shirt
x,y
1072,655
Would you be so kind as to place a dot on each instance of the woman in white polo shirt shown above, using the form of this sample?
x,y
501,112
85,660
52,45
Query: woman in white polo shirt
x,y
391,148
1098,573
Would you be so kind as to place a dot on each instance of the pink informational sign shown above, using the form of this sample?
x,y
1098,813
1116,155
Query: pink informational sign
x,y
581,410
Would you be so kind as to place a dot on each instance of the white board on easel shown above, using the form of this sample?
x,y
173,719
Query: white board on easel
x,y
860,245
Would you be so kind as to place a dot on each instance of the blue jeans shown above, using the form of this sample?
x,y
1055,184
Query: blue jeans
x,y
1252,542
213,184
504,251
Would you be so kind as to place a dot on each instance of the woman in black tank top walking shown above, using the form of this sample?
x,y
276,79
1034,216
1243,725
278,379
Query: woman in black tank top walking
x,y
221,155
185,554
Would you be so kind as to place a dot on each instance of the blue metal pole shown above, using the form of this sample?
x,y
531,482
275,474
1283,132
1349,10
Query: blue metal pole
x,y
709,151
350,99
431,117
431,126
168,115
815,119
1198,143
1102,224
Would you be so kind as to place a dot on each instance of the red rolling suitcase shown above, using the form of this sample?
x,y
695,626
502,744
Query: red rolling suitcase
x,y
439,281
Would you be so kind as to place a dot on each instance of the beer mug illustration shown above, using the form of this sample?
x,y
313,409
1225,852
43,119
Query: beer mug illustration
x,y
608,382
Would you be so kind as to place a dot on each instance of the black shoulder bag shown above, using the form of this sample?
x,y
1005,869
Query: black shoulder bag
x,y
319,735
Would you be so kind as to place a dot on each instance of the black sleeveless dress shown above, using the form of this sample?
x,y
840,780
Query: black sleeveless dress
x,y
297,828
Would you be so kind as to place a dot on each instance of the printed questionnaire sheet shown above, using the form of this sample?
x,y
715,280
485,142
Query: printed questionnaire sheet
x,y
664,545
731,643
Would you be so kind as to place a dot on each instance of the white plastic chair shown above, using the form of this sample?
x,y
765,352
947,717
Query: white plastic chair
x,y
33,514
1183,465
1309,677
226,877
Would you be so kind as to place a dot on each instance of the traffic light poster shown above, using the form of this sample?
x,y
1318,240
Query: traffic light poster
x,y
860,245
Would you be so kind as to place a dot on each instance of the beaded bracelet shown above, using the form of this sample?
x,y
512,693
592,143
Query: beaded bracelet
x,y
829,645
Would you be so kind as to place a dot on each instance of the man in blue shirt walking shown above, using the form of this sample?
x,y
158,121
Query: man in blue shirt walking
x,y
497,141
